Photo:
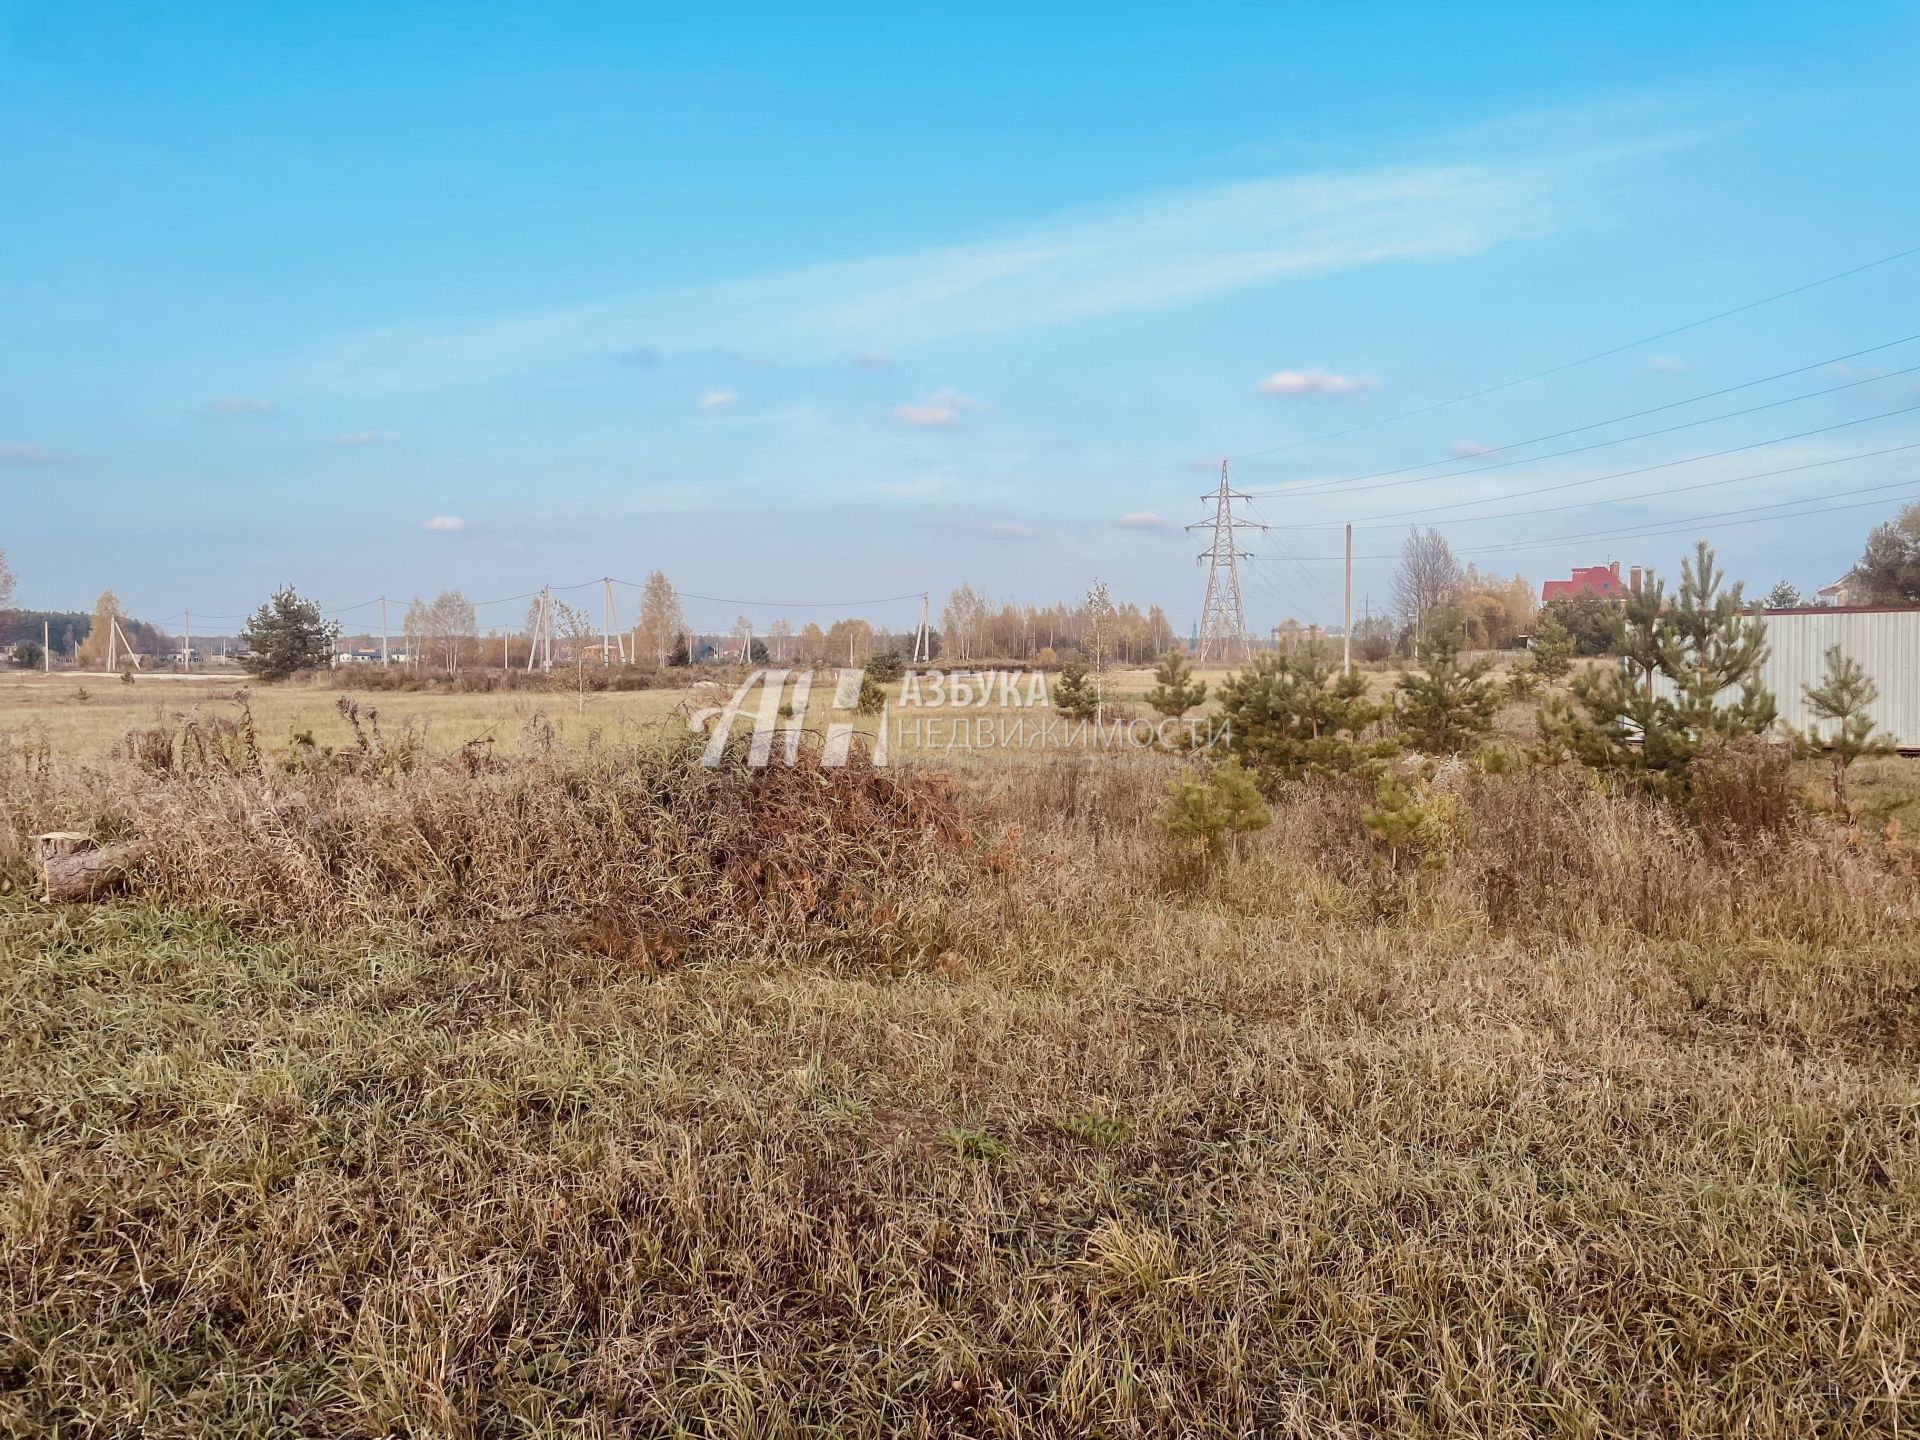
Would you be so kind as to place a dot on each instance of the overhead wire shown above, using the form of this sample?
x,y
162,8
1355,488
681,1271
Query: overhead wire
x,y
1566,365
1313,487
1657,494
1430,510
1649,528
1344,488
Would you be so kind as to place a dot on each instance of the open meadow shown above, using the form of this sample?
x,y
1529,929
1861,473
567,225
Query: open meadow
x,y
574,1088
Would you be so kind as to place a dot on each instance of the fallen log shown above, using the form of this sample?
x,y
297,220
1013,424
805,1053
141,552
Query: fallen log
x,y
73,868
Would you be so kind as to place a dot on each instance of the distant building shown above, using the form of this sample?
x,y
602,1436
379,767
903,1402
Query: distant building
x,y
1840,592
1601,580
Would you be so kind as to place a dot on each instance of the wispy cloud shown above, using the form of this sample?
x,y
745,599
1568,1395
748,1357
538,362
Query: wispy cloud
x,y
364,437
1141,520
873,360
1472,449
1665,362
939,411
1013,530
446,524
23,455
1155,252
717,399
1315,382
242,405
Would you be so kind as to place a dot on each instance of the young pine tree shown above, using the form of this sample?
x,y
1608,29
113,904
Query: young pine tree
x,y
1551,648
1074,693
1207,812
1844,696
1296,711
1706,650
287,635
1447,705
1175,691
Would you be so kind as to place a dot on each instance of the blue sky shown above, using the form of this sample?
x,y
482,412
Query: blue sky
x,y
819,307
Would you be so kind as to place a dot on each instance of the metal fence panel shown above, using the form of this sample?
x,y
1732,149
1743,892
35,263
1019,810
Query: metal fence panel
x,y
1885,642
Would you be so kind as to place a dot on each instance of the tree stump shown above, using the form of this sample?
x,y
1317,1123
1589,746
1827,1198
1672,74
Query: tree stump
x,y
73,868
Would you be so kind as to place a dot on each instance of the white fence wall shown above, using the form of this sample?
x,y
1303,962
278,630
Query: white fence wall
x,y
1885,642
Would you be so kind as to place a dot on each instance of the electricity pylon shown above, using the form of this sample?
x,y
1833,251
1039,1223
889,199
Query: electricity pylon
x,y
1223,615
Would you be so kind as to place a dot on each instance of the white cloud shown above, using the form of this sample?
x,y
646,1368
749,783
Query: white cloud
x,y
717,399
1471,449
873,360
25,455
1141,520
446,524
364,437
939,411
1665,362
1315,382
242,405
1149,253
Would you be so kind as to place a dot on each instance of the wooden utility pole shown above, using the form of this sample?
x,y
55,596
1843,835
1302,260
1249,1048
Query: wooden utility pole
x,y
186,642
1346,623
923,637
46,647
383,630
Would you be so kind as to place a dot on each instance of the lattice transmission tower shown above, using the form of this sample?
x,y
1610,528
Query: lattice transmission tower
x,y
1223,615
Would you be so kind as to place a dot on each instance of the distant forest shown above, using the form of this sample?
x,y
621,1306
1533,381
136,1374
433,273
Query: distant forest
x,y
66,631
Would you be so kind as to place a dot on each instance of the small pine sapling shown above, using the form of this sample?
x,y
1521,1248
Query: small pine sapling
x,y
1448,704
1706,648
1296,712
1074,693
1551,647
1175,690
1844,696
1208,811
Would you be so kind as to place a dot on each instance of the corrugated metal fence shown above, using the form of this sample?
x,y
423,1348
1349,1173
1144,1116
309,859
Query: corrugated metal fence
x,y
1885,642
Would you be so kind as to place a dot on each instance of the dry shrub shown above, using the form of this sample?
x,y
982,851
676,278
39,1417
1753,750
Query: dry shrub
x,y
615,848
1548,851
1743,788
1094,799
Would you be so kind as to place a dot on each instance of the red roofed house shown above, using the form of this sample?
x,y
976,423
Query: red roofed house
x,y
1602,580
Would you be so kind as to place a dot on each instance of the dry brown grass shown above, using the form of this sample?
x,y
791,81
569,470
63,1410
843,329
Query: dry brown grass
x,y
1599,1129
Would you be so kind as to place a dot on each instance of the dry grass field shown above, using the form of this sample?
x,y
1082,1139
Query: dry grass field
x,y
573,1089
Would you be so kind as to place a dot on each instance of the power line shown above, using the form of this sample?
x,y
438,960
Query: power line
x,y
1285,597
1649,529
1313,583
1349,487
1585,359
1656,494
1676,527
1619,474
782,604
